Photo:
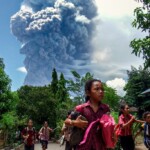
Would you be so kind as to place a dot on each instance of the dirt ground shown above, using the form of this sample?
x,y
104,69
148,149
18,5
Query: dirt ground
x,y
139,143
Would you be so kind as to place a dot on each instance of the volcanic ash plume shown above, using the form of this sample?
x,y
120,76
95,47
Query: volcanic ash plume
x,y
54,33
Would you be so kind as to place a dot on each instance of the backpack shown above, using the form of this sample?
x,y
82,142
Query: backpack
x,y
77,134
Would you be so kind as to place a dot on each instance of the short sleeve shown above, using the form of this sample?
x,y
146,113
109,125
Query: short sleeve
x,y
79,108
23,132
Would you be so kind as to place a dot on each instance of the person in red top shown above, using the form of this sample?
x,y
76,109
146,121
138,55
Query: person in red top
x,y
29,136
92,110
126,121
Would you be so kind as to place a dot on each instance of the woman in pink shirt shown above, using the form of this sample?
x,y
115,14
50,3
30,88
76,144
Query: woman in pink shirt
x,y
126,121
92,110
44,135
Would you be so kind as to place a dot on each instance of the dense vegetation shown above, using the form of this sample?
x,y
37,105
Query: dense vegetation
x,y
141,47
49,102
52,102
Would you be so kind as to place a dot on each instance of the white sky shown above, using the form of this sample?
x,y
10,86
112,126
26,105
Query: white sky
x,y
114,32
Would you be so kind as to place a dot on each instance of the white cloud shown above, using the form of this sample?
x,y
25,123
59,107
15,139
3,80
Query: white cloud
x,y
22,69
111,54
118,84
116,8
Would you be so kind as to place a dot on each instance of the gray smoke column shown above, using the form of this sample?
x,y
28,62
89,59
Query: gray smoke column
x,y
54,33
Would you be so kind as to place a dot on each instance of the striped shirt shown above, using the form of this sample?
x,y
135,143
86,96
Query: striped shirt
x,y
128,129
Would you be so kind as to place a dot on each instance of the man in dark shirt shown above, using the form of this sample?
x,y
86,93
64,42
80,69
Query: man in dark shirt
x,y
29,136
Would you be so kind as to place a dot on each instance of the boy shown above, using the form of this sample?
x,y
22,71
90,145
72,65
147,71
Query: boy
x,y
146,117
29,136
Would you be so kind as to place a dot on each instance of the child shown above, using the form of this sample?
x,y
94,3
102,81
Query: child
x,y
126,121
29,136
146,117
66,131
92,110
44,135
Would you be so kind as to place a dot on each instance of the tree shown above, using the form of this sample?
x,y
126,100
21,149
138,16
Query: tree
x,y
142,21
76,86
62,92
54,83
5,94
37,103
138,81
64,102
110,97
8,101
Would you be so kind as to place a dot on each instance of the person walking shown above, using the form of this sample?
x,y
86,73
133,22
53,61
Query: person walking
x,y
44,135
29,136
126,121
93,110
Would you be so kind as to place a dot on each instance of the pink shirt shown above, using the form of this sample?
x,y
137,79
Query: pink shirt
x,y
95,139
128,129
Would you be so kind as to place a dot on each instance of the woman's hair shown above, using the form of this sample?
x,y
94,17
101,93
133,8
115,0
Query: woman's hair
x,y
122,107
45,122
29,120
145,114
88,86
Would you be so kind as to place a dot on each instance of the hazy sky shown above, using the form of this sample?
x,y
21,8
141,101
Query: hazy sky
x,y
111,55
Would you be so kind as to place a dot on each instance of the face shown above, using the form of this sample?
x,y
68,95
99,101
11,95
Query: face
x,y
126,109
45,124
97,92
30,123
147,119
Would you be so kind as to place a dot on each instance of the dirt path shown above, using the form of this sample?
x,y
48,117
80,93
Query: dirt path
x,y
51,146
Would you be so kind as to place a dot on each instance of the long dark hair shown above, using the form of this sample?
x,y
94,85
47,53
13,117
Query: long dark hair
x,y
122,107
88,86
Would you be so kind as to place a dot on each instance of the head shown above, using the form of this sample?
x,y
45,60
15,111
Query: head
x,y
30,123
146,116
94,90
45,124
124,109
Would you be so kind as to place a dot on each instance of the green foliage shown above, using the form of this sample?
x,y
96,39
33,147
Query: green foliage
x,y
8,101
76,86
142,21
54,83
62,93
110,97
138,81
37,103
115,115
5,94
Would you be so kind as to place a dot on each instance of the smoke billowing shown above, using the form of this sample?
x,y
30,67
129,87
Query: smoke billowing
x,y
54,33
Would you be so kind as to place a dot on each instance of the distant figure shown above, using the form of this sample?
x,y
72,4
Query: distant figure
x,y
29,136
44,135
146,117
126,121
66,131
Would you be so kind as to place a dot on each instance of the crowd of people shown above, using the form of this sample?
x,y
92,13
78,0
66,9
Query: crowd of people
x,y
90,125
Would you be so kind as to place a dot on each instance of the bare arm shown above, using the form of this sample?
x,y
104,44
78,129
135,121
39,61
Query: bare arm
x,y
78,122
128,123
40,132
139,121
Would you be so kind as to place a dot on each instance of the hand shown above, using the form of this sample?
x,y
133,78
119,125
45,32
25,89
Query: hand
x,y
26,137
133,118
80,123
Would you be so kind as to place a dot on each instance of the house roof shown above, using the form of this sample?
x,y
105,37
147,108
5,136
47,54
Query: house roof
x,y
146,91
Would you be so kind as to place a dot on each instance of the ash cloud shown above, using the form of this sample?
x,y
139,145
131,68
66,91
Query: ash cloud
x,y
54,33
